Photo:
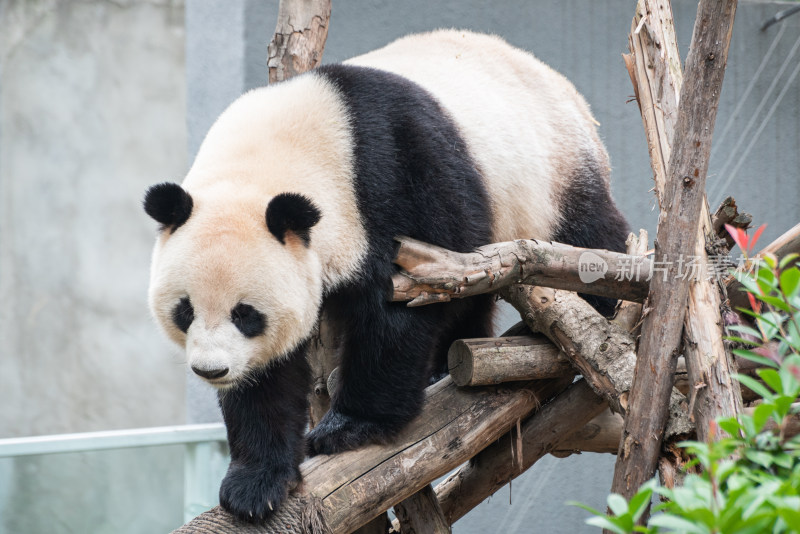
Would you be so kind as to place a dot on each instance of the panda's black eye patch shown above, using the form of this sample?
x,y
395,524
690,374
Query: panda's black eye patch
x,y
183,314
248,320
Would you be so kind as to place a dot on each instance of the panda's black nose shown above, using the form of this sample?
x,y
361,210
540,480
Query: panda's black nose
x,y
210,374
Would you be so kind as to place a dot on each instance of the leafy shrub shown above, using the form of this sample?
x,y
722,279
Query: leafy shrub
x,y
749,479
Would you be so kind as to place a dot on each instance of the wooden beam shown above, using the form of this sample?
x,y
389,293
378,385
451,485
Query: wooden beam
x,y
507,458
347,490
677,233
433,274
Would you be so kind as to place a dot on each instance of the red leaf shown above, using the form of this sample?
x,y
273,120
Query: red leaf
x,y
739,236
754,304
756,235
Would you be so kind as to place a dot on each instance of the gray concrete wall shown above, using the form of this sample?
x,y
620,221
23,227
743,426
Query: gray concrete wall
x,y
97,101
92,110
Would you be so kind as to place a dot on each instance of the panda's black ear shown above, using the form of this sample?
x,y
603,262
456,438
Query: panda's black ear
x,y
292,212
169,204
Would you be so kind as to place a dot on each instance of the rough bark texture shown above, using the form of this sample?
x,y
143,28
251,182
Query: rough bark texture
x,y
299,38
488,361
433,274
421,514
501,462
347,490
677,232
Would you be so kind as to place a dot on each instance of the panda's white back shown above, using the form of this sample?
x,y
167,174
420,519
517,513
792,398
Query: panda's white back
x,y
526,125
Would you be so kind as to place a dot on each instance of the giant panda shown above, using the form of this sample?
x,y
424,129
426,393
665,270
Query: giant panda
x,y
292,206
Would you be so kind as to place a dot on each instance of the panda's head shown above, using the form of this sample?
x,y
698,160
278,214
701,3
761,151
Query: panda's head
x,y
233,279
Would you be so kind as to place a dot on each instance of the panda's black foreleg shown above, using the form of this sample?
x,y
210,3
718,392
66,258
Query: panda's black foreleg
x,y
266,418
383,375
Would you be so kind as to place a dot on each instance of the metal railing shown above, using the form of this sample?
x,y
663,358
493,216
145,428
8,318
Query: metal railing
x,y
205,461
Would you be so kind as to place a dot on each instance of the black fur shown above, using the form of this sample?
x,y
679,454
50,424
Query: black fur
x,y
292,212
413,177
590,219
265,418
183,314
169,204
248,320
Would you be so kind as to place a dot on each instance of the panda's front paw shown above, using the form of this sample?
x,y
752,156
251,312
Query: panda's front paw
x,y
337,432
254,493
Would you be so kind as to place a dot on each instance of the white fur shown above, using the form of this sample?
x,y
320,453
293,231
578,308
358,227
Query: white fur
x,y
525,124
289,138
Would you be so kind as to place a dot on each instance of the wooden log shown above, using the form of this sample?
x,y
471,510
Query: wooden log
x,y
299,38
433,274
677,233
500,463
421,514
347,490
504,359
489,361
709,362
602,433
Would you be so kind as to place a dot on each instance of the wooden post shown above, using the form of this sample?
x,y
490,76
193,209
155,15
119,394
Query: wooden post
x,y
299,38
421,514
658,81
677,233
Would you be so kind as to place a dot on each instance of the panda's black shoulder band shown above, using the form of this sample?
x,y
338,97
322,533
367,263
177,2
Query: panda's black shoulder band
x,y
169,204
292,212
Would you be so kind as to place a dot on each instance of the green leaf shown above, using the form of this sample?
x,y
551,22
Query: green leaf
x,y
606,523
786,260
776,302
761,458
791,517
677,524
585,507
730,425
772,378
746,329
640,502
753,357
790,281
617,504
761,415
753,384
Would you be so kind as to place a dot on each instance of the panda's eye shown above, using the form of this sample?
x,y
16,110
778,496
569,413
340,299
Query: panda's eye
x,y
248,320
183,314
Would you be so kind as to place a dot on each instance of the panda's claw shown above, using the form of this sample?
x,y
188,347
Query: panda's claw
x,y
254,493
